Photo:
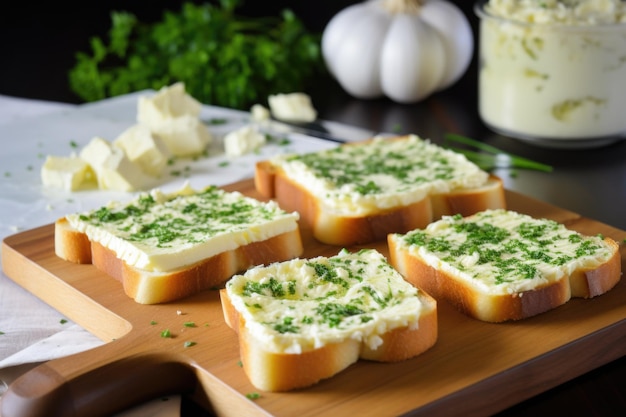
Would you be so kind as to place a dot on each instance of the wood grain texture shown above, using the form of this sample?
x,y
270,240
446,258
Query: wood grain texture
x,y
475,368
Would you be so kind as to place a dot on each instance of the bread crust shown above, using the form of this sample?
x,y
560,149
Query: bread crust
x,y
271,371
343,230
147,287
593,281
585,282
70,244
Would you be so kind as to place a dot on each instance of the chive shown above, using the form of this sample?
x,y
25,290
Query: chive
x,y
189,324
166,333
494,157
253,395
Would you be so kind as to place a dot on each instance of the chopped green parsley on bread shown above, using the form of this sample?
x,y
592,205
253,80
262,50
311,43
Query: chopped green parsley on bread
x,y
163,247
500,265
304,320
359,192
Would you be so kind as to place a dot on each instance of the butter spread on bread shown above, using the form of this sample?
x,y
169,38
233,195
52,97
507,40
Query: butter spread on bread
x,y
501,265
158,234
400,183
352,304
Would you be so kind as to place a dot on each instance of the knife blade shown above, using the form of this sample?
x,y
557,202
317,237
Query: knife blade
x,y
315,129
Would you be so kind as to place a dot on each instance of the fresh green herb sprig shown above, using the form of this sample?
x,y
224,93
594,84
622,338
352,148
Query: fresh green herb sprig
x,y
223,58
491,157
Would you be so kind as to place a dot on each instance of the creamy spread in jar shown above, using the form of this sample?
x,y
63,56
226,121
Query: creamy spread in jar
x,y
553,69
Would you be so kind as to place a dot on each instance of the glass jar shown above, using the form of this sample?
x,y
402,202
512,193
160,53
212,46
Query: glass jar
x,y
559,84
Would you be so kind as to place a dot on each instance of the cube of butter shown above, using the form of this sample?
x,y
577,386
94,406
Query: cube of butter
x,y
144,149
259,113
172,114
113,169
183,136
292,107
70,173
243,140
169,102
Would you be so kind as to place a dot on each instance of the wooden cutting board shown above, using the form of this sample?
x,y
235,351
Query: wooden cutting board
x,y
475,368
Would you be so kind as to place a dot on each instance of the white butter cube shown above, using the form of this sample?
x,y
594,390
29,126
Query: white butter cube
x,y
113,169
69,173
167,103
172,115
243,140
183,135
144,149
293,107
259,113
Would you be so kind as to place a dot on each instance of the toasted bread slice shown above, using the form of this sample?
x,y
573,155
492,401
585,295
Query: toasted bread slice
x,y
360,192
499,265
302,321
165,247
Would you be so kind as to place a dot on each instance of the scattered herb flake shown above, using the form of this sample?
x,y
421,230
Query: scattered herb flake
x,y
216,121
189,324
166,333
63,321
189,344
152,322
253,395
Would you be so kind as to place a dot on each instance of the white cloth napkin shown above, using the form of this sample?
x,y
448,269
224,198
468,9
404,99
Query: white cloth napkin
x,y
31,330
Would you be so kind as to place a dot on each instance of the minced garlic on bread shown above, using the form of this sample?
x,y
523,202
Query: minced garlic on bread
x,y
167,246
358,193
304,320
500,265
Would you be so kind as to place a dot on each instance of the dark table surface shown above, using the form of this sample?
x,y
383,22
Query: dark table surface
x,y
591,182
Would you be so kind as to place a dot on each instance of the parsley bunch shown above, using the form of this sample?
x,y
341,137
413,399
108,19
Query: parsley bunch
x,y
223,58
